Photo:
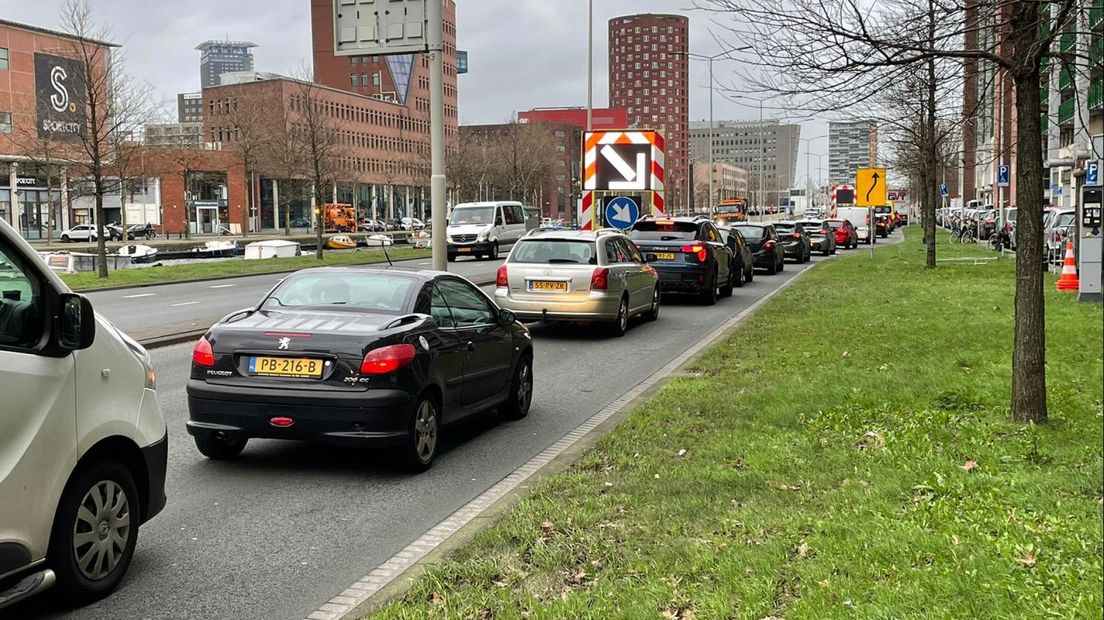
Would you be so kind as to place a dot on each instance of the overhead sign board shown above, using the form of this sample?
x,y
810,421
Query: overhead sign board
x,y
59,96
623,161
870,187
379,27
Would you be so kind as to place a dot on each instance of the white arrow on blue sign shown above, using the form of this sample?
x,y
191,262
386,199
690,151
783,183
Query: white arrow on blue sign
x,y
1003,174
1092,173
622,212
943,191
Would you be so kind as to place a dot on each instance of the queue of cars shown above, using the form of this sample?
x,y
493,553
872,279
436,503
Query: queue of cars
x,y
351,356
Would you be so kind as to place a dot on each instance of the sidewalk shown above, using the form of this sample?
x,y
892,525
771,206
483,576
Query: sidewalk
x,y
846,453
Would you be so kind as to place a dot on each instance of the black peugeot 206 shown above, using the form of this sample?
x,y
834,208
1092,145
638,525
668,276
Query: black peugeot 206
x,y
358,357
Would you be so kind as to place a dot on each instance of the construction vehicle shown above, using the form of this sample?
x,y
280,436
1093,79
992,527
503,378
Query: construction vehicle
x,y
340,217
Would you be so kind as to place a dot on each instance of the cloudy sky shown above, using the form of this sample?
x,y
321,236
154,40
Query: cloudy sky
x,y
522,53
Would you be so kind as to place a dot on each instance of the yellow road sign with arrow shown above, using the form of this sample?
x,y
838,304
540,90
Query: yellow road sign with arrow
x,y
870,187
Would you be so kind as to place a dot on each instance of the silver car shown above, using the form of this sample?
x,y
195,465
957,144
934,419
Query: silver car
x,y
593,276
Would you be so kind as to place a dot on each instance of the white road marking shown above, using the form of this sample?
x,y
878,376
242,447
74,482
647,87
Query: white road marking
x,y
223,285
186,303
138,295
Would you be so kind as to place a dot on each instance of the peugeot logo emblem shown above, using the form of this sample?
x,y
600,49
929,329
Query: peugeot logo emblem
x,y
284,343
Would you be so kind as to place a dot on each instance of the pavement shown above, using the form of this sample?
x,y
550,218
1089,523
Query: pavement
x,y
286,527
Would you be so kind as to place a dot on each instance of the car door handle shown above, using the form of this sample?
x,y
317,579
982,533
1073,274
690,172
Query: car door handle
x,y
471,347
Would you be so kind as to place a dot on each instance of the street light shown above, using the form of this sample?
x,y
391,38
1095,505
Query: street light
x,y
808,196
712,85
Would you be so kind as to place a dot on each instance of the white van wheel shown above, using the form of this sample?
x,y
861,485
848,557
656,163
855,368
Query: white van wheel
x,y
494,252
95,531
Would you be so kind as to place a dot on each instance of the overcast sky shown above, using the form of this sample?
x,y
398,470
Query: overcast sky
x,y
522,53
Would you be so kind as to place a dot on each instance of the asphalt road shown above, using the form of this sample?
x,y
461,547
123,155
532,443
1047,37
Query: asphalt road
x,y
150,309
287,526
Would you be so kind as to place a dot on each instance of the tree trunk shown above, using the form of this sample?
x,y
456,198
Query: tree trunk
x,y
101,243
319,218
931,148
1029,352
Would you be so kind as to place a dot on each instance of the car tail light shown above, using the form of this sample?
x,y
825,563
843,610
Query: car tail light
x,y
387,359
599,280
823,232
796,235
698,249
768,245
501,278
203,354
281,421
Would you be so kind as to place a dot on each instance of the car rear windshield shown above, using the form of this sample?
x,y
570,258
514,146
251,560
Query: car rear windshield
x,y
784,227
554,251
811,225
664,231
347,290
751,232
834,225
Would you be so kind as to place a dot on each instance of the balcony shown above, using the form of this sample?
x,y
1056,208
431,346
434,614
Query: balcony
x,y
1096,95
1067,42
1096,15
1065,80
1067,110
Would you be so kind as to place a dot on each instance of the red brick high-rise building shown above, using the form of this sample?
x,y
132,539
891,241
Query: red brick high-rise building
x,y
648,65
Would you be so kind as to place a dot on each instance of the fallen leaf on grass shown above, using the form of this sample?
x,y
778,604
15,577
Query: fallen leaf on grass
x,y
883,368
1027,560
682,452
782,486
823,584
969,466
436,599
500,583
546,531
802,550
846,354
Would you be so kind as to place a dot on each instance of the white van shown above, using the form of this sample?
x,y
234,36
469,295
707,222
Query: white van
x,y
860,219
83,444
480,228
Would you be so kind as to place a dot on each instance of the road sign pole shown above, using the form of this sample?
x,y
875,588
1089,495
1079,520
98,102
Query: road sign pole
x,y
435,23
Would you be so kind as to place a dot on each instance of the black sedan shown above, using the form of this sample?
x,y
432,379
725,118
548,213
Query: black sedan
x,y
358,357
766,251
743,259
822,238
795,241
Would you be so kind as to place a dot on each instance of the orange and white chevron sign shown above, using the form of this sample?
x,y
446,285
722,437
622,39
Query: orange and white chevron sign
x,y
623,160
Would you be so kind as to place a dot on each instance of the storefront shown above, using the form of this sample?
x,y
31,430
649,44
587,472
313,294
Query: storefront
x,y
27,207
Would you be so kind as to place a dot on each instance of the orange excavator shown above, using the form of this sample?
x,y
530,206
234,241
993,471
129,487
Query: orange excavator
x,y
340,217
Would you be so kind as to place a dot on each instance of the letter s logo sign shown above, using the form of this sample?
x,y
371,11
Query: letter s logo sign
x,y
59,101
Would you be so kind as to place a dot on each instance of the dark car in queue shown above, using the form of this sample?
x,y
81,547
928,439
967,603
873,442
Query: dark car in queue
x,y
689,255
844,230
762,240
743,260
822,238
795,241
360,357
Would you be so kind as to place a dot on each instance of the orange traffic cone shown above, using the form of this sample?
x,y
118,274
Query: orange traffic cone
x,y
1068,280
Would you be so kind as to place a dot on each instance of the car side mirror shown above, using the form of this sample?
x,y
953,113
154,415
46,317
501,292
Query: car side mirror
x,y
506,318
78,322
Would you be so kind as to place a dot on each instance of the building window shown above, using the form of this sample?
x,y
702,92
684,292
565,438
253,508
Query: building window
x,y
354,59
3,59
5,122
376,78
352,78
363,79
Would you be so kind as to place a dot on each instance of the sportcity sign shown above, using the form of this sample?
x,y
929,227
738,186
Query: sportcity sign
x,y
59,96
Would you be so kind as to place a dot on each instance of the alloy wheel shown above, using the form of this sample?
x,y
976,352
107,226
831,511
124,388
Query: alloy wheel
x,y
101,530
525,387
425,430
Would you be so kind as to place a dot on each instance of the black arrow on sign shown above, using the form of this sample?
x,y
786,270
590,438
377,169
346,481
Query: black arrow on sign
x,y
875,184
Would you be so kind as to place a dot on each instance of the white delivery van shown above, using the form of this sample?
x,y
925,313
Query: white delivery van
x,y
860,219
481,228
83,444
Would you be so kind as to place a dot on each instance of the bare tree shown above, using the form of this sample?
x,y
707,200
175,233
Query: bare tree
x,y
248,120
317,129
842,48
112,103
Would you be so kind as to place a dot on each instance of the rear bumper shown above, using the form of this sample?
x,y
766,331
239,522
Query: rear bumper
x,y
370,418
597,307
688,279
793,249
156,457
764,259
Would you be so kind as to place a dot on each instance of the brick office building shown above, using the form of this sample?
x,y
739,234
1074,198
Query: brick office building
x,y
648,66
378,105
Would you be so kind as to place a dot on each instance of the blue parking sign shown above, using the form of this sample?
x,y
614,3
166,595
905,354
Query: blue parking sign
x,y
1003,174
943,191
1092,173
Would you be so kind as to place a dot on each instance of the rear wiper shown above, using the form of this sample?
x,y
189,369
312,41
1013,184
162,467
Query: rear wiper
x,y
668,238
563,260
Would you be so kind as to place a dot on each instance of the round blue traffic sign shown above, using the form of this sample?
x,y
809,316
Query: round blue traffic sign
x,y
622,212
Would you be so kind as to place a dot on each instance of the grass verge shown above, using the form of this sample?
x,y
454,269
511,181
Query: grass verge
x,y
215,269
846,453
